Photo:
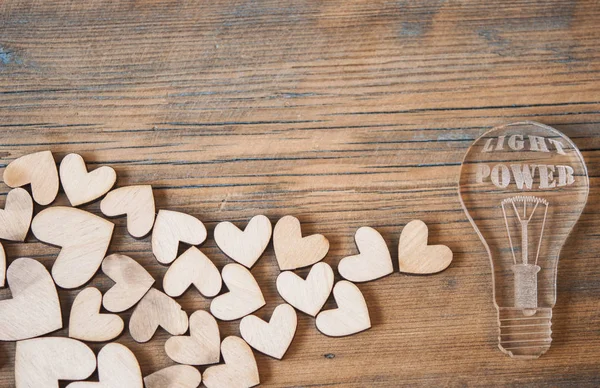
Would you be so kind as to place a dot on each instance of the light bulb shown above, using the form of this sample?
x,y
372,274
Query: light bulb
x,y
523,186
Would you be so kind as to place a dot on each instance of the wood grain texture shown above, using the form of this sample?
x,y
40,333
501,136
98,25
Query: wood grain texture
x,y
341,113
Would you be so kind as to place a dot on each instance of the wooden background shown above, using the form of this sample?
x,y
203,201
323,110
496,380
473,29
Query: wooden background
x,y
342,113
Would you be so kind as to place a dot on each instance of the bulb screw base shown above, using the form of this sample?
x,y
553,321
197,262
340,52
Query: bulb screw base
x,y
524,333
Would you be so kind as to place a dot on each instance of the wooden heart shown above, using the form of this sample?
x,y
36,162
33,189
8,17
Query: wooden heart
x,y
294,251
351,316
87,324
117,368
171,228
2,266
37,169
272,338
16,216
176,376
41,362
83,236
132,282
135,201
201,347
246,246
244,296
239,371
34,309
154,310
192,267
82,186
415,256
374,260
308,295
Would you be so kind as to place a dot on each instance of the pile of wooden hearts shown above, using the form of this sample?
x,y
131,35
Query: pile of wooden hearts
x,y
35,310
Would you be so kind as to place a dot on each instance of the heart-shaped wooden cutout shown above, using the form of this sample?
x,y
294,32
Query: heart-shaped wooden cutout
x,y
192,267
294,251
2,266
170,229
308,295
244,296
415,256
201,347
83,236
82,186
176,376
87,324
351,316
37,169
16,215
239,371
117,368
34,309
132,282
374,260
272,338
135,201
41,362
245,246
154,310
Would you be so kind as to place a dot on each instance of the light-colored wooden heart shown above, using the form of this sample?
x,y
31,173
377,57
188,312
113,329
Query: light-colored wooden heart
x,y
170,229
239,371
2,266
308,295
176,376
351,316
244,296
373,261
117,368
201,347
37,169
272,338
41,362
154,310
83,236
135,201
192,267
132,282
415,256
82,186
246,246
16,215
87,324
294,251
34,309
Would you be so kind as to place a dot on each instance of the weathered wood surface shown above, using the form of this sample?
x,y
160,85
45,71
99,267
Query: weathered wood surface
x,y
344,114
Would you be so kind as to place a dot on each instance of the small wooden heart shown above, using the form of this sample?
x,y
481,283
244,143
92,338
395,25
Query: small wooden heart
x,y
87,324
373,261
16,216
34,309
135,201
192,267
82,186
83,236
308,295
351,316
244,296
176,376
415,256
294,251
132,282
240,368
41,362
201,347
272,338
246,246
2,266
154,310
37,169
170,229
117,368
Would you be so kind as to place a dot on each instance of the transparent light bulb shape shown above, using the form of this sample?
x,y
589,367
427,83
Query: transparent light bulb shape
x,y
523,187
